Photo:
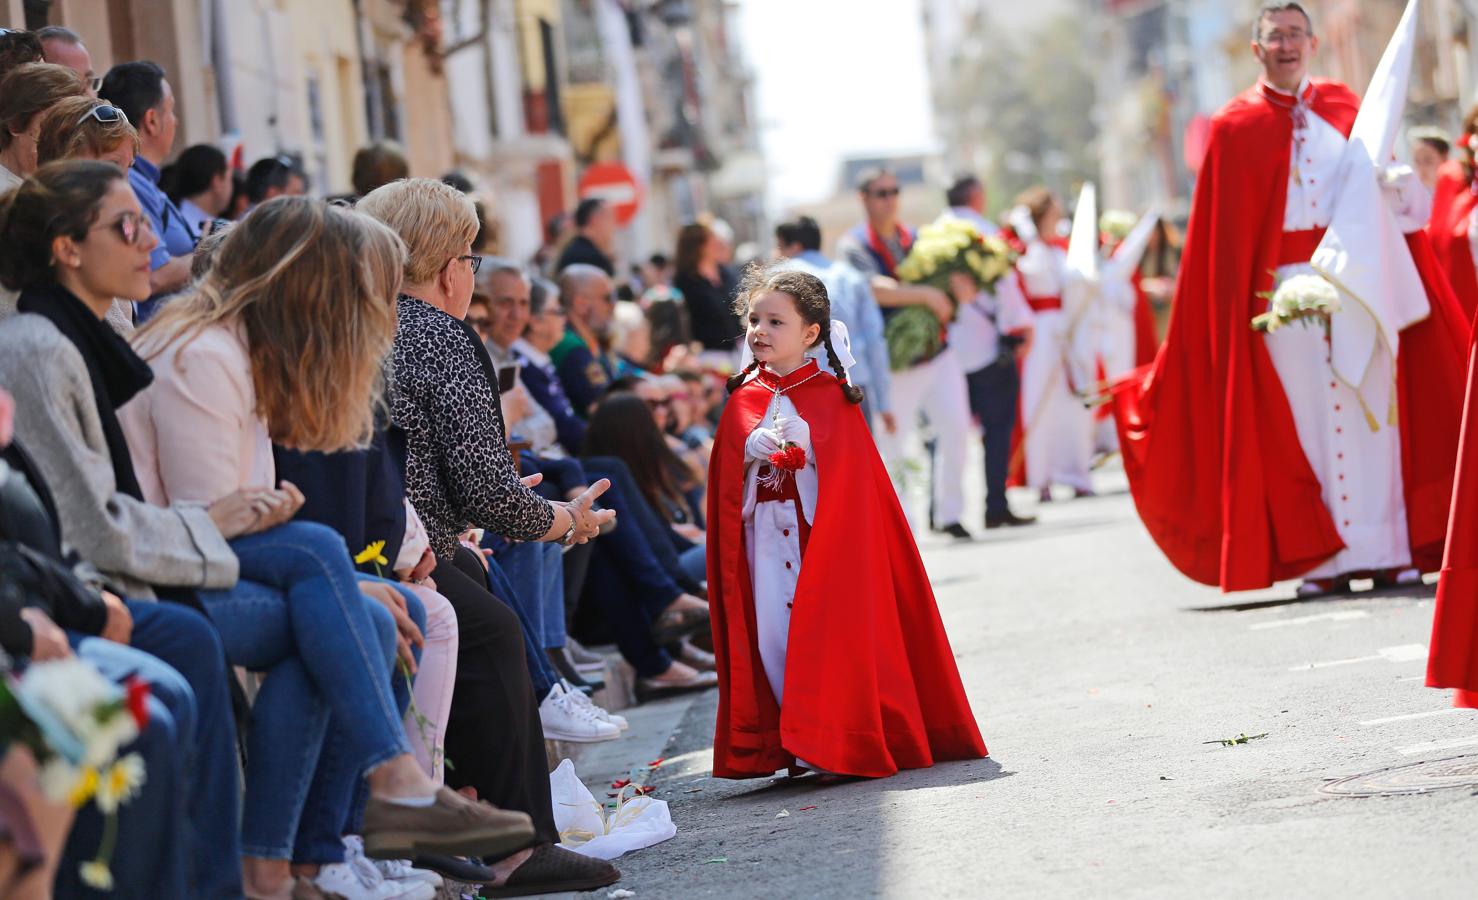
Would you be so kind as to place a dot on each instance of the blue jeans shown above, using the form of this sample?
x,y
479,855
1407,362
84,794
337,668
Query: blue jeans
x,y
177,651
297,615
541,672
536,572
152,856
337,796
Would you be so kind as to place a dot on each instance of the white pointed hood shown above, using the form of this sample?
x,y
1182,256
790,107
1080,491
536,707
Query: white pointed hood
x,y
1364,252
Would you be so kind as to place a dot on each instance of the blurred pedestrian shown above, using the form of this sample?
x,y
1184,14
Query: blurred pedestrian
x,y
199,183
143,93
595,238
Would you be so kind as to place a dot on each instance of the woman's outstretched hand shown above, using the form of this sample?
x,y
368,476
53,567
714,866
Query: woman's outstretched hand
x,y
587,520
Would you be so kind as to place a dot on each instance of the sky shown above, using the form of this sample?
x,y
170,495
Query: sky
x,y
834,81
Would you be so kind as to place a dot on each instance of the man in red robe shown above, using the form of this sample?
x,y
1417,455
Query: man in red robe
x,y
1451,228
1250,461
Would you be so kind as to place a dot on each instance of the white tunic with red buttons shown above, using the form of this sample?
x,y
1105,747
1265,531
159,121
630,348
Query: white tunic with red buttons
x,y
772,543
1359,469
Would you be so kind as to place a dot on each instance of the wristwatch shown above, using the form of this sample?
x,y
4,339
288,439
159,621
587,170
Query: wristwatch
x,y
569,536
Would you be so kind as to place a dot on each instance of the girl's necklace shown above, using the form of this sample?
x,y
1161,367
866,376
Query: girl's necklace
x,y
776,390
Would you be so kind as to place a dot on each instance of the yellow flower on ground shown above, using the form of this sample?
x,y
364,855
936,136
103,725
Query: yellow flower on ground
x,y
373,553
95,874
121,783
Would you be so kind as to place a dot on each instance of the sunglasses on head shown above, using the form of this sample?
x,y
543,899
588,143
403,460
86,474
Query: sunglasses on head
x,y
105,114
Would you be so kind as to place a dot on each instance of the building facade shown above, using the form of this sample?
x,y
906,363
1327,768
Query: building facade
x,y
519,95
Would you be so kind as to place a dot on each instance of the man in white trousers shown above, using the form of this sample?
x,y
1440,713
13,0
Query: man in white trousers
x,y
934,387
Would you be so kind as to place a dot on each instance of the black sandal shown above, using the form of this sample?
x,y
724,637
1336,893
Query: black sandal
x,y
555,870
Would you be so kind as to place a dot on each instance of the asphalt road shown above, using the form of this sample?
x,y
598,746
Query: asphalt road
x,y
1099,675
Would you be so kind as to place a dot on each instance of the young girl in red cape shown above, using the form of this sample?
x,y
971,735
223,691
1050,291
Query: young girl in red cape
x,y
831,653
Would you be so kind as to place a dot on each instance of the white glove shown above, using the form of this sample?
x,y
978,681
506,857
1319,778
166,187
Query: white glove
x,y
1021,221
761,443
794,431
1407,197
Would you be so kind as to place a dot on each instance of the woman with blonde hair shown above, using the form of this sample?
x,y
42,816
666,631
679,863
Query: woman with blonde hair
x,y
284,341
89,128
86,128
460,475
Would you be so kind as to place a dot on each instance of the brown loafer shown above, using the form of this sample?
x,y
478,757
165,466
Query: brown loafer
x,y
452,826
555,870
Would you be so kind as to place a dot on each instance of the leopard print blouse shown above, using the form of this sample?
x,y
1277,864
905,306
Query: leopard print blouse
x,y
459,472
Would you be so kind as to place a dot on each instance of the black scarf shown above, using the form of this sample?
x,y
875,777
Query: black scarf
x,y
117,373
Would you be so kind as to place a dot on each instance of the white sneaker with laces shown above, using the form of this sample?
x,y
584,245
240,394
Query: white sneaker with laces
x,y
600,712
347,881
399,871
566,720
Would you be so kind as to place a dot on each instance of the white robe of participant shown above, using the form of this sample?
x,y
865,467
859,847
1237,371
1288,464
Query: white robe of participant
x,y
1058,427
1359,469
772,541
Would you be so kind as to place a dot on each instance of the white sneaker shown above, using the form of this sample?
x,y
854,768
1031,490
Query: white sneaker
x,y
600,713
566,720
393,871
347,881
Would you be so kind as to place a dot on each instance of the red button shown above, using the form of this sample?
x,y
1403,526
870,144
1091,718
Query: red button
x,y
787,565
1341,478
786,532
1339,431
1337,407
1346,498
789,605
1333,385
1347,523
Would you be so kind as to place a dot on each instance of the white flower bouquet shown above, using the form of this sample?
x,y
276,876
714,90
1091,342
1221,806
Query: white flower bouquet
x,y
1302,299
75,721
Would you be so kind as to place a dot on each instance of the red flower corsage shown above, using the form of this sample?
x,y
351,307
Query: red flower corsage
x,y
790,457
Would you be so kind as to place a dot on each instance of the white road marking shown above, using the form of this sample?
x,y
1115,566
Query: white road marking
x,y
1398,654
1411,716
1438,745
1341,616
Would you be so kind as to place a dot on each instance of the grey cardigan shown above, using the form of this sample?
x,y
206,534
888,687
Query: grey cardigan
x,y
135,544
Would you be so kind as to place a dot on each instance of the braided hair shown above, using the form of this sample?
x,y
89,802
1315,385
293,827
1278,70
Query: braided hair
x,y
811,301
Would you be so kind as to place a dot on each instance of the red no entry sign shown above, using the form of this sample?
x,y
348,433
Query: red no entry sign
x,y
613,183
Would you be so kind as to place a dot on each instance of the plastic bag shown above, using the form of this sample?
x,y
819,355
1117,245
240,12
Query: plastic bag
x,y
591,828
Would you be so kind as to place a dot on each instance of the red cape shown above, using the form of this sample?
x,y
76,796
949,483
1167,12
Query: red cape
x,y
1453,662
1453,201
1146,340
870,681
1209,444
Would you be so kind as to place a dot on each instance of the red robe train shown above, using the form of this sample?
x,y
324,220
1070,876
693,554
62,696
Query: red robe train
x,y
1453,660
1209,443
1453,202
871,685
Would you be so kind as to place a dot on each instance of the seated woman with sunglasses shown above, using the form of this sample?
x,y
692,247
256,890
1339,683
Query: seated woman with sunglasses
x,y
88,128
74,242
284,339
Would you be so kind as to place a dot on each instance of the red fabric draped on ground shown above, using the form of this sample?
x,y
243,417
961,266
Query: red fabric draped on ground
x,y
1209,443
870,683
